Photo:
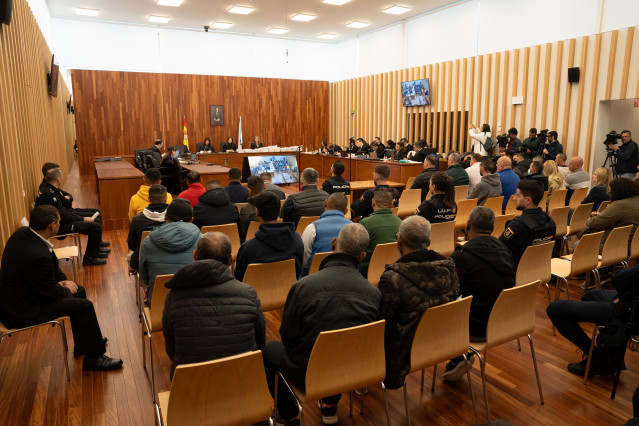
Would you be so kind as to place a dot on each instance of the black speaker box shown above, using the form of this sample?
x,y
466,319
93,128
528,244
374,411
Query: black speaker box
x,y
573,75
5,11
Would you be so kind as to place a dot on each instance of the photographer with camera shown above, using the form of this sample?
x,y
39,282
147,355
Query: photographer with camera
x,y
530,146
552,147
513,143
627,156
479,139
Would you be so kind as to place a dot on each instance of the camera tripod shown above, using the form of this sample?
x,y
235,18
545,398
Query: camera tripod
x,y
611,158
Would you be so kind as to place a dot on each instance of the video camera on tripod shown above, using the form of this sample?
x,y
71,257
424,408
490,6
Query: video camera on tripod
x,y
542,141
502,140
611,139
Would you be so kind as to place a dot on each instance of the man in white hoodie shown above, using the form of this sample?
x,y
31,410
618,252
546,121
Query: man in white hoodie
x,y
474,174
150,218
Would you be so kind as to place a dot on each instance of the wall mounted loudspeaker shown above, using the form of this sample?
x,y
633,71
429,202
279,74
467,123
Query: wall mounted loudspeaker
x,y
5,11
573,75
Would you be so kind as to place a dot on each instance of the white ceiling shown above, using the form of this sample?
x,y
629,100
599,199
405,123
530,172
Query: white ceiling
x,y
196,14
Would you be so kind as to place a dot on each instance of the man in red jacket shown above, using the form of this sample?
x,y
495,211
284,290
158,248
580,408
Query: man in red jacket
x,y
194,181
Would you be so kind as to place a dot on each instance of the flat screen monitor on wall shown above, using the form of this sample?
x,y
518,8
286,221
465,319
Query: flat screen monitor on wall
x,y
415,93
283,168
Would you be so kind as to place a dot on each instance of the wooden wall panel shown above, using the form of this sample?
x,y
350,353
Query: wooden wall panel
x,y
117,112
34,127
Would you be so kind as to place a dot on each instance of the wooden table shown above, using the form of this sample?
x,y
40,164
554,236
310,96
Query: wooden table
x,y
117,181
209,171
357,169
358,187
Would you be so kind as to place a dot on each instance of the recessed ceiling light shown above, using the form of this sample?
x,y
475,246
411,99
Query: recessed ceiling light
x,y
336,2
303,17
327,36
159,19
221,25
172,3
87,12
358,24
242,10
277,31
396,10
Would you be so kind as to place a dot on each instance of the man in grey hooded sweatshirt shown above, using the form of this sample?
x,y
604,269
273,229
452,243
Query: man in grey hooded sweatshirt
x,y
489,185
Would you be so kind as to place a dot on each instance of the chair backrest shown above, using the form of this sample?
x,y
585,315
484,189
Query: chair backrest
x,y
615,249
535,264
144,235
346,359
317,259
494,203
240,205
603,206
578,195
395,210
230,230
409,201
383,255
634,247
579,218
511,207
544,201
557,199
224,391
500,224
560,216
253,227
272,282
586,255
513,314
410,182
448,339
304,222
442,238
461,193
464,207
157,301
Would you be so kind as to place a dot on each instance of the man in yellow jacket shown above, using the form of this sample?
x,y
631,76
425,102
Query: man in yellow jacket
x,y
140,200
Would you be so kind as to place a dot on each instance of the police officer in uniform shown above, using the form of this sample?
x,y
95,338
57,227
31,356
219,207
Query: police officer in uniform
x,y
337,183
534,226
364,206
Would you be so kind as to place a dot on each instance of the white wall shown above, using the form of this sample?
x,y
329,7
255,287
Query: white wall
x,y
42,14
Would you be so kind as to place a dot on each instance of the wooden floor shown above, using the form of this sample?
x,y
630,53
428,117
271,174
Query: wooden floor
x,y
34,390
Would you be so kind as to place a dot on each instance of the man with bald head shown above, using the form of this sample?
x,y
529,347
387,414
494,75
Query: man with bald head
x,y
208,314
508,178
335,297
578,178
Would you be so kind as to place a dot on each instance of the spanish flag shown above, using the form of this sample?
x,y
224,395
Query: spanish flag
x,y
186,136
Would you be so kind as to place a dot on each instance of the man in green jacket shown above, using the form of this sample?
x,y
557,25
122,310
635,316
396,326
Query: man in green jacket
x,y
456,171
530,145
382,225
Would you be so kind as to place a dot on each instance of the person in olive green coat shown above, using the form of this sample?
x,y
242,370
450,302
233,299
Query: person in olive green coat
x,y
456,171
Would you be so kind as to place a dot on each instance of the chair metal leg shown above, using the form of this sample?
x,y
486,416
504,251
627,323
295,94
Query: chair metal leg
x,y
534,358
470,387
151,364
422,388
63,329
558,287
554,332
614,385
73,265
350,400
388,420
592,347
143,347
432,387
482,365
65,352
406,404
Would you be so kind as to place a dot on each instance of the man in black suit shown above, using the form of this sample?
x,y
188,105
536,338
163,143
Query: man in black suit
x,y
34,290
157,147
257,143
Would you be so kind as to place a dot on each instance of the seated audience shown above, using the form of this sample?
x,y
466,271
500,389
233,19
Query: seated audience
x,y
599,307
521,165
274,241
257,143
382,224
441,206
352,147
533,226
578,178
215,207
377,148
422,180
402,148
317,236
474,174
267,177
419,279
363,148
336,183
490,185
600,191
237,192
456,171
140,200
363,207
309,201
421,151
150,218
336,297
208,314
248,212
323,146
555,177
34,290
72,219
508,178
195,188
560,159
170,246
333,149
536,173
485,267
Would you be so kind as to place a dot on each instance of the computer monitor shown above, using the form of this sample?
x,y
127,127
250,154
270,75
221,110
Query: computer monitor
x,y
283,168
193,157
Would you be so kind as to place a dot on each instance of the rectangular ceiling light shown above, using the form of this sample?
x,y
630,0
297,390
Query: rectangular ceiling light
x,y
327,36
221,25
358,24
302,17
242,10
172,3
277,31
87,12
336,2
396,10
159,19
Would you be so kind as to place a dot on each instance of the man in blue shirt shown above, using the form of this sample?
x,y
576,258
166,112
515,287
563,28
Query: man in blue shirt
x,y
508,178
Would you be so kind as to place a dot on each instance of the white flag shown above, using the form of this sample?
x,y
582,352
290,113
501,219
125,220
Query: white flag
x,y
239,138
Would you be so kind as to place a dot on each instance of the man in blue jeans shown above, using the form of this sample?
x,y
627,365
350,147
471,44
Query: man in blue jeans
x,y
599,307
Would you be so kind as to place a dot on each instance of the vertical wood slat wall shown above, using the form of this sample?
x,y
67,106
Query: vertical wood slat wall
x,y
609,68
34,127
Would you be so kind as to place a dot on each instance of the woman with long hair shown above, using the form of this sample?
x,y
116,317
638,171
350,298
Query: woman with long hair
x,y
206,146
555,178
230,144
601,190
441,206
479,138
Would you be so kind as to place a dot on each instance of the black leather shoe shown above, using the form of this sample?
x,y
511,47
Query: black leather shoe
x,y
79,350
104,363
93,261
105,250
103,255
105,244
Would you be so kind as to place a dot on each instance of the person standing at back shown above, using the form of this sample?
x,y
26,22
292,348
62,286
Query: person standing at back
x,y
530,145
308,202
479,138
336,183
553,147
627,156
237,193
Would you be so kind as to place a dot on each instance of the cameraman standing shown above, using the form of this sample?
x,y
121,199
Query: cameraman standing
x,y
553,147
627,157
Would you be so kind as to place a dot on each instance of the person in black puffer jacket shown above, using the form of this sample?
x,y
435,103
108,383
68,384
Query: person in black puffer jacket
x,y
208,314
215,207
308,202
